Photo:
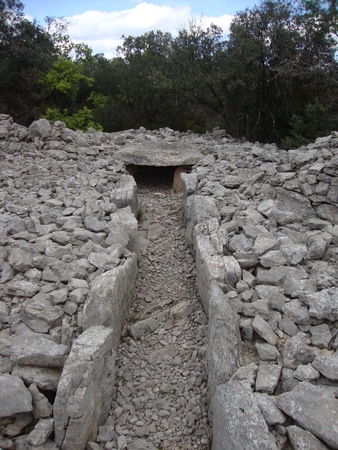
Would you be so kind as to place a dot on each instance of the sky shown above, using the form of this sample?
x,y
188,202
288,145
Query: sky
x,y
101,23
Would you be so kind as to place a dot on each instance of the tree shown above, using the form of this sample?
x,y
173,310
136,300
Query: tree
x,y
279,59
26,51
145,89
197,57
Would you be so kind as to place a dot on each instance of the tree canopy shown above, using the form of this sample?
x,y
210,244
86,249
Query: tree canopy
x,y
273,78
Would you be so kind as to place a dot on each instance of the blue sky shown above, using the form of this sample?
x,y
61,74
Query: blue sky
x,y
101,23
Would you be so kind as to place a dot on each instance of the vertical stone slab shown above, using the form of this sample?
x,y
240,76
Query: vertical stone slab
x,y
85,390
110,297
125,193
238,421
198,210
224,341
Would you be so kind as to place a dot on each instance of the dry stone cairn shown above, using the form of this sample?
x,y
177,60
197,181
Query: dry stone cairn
x,y
263,227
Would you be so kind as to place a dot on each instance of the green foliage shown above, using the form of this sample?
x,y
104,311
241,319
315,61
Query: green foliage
x,y
81,120
317,121
273,79
65,76
26,51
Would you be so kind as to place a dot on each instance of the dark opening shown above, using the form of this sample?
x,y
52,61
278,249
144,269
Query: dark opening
x,y
152,175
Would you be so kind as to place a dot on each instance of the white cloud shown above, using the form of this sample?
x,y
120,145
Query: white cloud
x,y
102,31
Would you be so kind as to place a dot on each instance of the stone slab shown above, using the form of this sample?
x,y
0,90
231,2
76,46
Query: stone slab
x,y
159,154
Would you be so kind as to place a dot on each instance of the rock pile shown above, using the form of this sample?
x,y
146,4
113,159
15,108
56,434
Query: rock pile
x,y
263,226
68,268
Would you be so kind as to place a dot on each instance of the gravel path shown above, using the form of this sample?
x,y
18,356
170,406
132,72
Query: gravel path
x,y
161,376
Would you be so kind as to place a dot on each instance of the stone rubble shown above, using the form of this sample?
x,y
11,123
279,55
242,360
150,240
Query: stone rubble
x,y
274,213
262,226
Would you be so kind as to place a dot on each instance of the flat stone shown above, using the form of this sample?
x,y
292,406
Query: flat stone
x,y
294,253
296,311
40,315
267,352
272,293
323,304
295,351
154,231
21,288
273,258
327,365
232,270
148,325
237,420
15,425
4,312
41,432
273,276
45,378
246,373
314,409
159,154
264,330
267,377
303,439
22,444
306,373
94,224
240,243
259,307
272,414
15,398
321,335
20,260
287,324
33,349
265,242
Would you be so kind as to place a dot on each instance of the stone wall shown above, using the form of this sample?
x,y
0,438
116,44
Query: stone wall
x,y
263,225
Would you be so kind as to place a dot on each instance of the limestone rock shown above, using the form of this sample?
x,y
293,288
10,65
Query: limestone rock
x,y
40,315
238,421
41,432
14,396
110,297
295,351
159,154
45,378
327,365
267,377
272,414
309,405
303,439
264,330
35,350
41,406
39,128
323,304
224,341
85,390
